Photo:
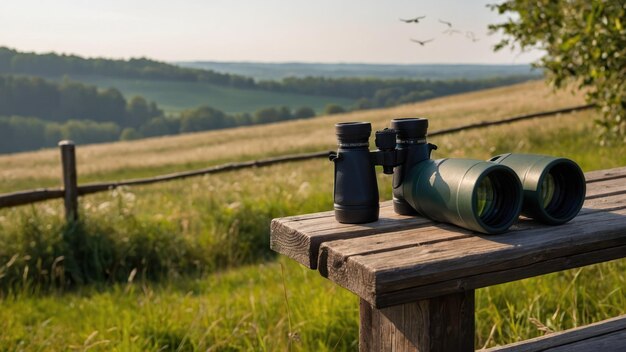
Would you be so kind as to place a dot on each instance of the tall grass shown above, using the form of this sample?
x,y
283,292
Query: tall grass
x,y
185,265
242,310
191,226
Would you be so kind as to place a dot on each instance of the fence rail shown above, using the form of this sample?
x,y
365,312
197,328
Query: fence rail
x,y
482,124
71,190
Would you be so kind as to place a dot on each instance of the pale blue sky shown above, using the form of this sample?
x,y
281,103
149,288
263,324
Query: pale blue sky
x,y
263,30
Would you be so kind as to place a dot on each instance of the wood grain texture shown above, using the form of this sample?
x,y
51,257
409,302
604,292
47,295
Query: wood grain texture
x,y
382,273
601,175
615,341
444,323
28,197
69,179
608,335
300,237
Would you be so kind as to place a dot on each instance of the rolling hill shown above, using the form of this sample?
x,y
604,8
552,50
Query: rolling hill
x,y
176,88
175,96
177,153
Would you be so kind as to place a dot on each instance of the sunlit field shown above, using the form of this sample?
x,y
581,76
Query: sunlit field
x,y
158,155
174,96
186,265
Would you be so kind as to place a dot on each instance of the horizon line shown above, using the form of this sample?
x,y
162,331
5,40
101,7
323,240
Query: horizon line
x,y
338,62
352,63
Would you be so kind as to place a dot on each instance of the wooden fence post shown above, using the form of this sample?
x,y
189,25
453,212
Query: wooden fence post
x,y
70,186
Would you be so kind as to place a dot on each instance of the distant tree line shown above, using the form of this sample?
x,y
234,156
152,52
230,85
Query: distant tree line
x,y
38,113
369,88
19,133
52,64
34,96
35,113
371,92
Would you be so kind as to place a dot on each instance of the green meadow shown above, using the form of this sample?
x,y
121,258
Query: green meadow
x,y
174,96
186,265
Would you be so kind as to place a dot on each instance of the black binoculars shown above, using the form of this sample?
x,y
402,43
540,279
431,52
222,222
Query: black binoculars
x,y
483,196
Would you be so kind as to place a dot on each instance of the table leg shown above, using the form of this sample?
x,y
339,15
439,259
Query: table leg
x,y
444,323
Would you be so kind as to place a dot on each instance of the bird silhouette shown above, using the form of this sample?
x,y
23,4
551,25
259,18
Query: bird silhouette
x,y
470,35
451,31
446,23
422,42
412,20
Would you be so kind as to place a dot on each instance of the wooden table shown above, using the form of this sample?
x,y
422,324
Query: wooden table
x,y
416,278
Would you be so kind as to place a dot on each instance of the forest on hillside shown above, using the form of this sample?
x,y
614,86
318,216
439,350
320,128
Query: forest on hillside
x,y
52,64
36,112
86,114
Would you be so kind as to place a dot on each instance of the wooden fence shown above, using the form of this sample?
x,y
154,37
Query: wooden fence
x,y
71,190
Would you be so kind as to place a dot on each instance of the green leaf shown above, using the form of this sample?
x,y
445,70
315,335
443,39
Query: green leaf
x,y
568,44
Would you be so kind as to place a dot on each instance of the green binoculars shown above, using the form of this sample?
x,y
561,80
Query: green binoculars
x,y
483,196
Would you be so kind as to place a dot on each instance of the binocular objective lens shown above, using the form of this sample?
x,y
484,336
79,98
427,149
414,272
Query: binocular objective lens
x,y
554,188
484,197
562,191
548,188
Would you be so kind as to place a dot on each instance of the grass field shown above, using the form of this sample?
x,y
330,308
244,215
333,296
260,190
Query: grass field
x,y
185,265
175,96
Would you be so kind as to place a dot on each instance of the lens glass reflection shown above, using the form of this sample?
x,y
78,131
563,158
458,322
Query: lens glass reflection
x,y
548,187
484,197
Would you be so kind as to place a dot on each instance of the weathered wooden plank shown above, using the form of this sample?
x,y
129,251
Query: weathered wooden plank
x,y
373,266
444,323
498,277
432,234
435,233
569,340
615,341
605,188
300,237
607,174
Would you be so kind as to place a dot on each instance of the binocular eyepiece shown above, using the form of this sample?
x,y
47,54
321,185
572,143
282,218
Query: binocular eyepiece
x,y
484,196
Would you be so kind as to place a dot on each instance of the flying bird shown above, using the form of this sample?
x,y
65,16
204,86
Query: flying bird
x,y
413,20
450,31
422,42
446,23
472,36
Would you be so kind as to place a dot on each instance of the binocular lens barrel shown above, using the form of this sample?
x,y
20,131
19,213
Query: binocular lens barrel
x,y
351,134
356,190
554,188
410,128
412,142
469,193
